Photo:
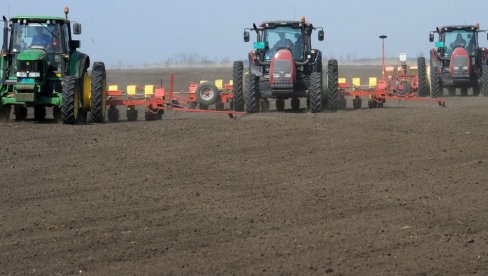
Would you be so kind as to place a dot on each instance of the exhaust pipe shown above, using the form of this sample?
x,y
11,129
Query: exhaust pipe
x,y
5,36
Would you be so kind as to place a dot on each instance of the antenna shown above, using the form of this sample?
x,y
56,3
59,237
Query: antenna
x,y
8,10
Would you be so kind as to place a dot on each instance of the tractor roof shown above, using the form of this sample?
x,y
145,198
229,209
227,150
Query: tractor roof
x,y
451,28
278,23
39,18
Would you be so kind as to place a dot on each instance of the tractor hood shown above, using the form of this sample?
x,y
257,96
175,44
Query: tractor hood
x,y
32,55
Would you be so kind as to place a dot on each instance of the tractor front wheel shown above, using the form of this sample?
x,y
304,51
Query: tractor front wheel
x,y
20,113
280,105
4,112
252,94
332,84
39,113
71,101
422,77
238,77
98,99
436,88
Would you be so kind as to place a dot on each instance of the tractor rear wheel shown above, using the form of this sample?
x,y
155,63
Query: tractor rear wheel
x,y
484,80
207,93
113,114
71,101
39,113
280,105
436,88
20,112
98,99
238,78
315,94
332,84
422,77
252,94
5,111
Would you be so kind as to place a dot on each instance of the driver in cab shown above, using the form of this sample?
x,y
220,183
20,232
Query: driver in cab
x,y
459,42
282,43
41,39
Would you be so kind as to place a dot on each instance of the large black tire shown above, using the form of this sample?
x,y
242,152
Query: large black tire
x,y
332,84
436,88
315,91
484,80
238,77
20,112
5,111
98,99
422,77
207,94
280,105
252,94
39,113
71,101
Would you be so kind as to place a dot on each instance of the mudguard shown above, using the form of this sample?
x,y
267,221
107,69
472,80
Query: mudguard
x,y
78,63
317,63
253,68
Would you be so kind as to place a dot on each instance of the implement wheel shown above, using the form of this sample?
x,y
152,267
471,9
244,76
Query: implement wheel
x,y
207,94
132,114
113,114
98,99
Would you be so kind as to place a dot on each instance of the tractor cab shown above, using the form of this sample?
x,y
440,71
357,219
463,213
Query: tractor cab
x,y
38,49
452,37
273,37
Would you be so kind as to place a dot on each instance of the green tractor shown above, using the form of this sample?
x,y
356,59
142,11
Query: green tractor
x,y
42,68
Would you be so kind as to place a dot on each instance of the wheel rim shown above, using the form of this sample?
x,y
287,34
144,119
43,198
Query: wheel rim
x,y
207,94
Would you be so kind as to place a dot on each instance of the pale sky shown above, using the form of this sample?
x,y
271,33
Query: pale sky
x,y
149,31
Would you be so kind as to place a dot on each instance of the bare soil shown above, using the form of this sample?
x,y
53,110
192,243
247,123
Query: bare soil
x,y
394,191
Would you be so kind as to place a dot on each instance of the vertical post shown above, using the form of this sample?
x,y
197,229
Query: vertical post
x,y
171,87
383,37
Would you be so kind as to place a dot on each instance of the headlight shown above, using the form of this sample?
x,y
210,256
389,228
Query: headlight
x,y
456,68
465,67
34,75
276,75
21,75
288,75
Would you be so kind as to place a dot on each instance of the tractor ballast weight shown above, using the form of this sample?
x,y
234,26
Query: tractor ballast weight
x,y
41,67
457,61
283,65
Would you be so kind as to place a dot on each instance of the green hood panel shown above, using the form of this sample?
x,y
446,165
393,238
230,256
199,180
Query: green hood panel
x,y
32,55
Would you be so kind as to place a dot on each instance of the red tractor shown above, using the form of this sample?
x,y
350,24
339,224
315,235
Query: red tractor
x,y
457,61
283,66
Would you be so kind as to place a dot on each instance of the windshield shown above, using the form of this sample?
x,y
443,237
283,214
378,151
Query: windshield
x,y
37,36
284,38
465,39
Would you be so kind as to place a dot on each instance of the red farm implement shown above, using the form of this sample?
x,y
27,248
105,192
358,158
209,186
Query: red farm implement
x,y
401,83
156,100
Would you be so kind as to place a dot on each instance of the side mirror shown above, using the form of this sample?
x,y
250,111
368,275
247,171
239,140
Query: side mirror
x,y
321,35
74,44
246,36
77,28
486,36
431,37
